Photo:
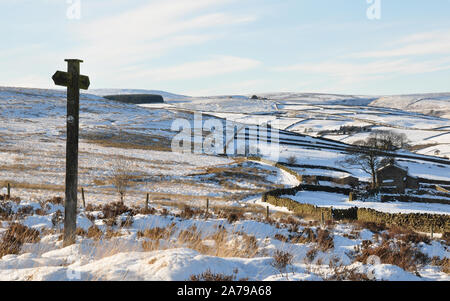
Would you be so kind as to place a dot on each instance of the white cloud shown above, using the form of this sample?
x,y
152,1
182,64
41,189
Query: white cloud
x,y
414,54
379,67
27,81
425,43
241,87
156,20
342,77
133,38
206,68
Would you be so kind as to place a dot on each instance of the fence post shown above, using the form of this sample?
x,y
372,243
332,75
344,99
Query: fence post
x,y
432,231
146,201
323,218
8,195
82,196
267,212
207,206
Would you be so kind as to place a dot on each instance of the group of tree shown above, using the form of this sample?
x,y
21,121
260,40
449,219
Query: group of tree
x,y
347,130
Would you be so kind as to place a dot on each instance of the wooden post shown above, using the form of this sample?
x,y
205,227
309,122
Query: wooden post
x,y
74,82
350,197
323,218
73,111
432,231
267,212
207,206
146,202
8,192
82,196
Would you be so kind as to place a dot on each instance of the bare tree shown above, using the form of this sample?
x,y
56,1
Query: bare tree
x,y
374,152
121,177
291,160
367,159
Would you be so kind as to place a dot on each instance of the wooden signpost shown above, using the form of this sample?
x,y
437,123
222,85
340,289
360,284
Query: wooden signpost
x,y
74,82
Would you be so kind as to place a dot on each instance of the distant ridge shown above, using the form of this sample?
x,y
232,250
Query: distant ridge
x,y
434,104
106,92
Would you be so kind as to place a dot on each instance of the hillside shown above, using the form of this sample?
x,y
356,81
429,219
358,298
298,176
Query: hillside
x,y
436,104
239,236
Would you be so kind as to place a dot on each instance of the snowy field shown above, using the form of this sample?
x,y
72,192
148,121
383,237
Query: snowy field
x,y
32,160
186,247
314,113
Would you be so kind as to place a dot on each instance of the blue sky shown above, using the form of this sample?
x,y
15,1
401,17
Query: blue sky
x,y
212,47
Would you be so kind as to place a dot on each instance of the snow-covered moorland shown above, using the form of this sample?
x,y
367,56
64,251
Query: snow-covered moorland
x,y
175,238
115,242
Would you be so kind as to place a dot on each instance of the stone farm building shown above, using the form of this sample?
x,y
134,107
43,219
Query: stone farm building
x,y
396,179
348,180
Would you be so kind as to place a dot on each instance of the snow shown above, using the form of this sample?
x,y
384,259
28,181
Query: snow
x,y
168,265
282,177
32,146
416,103
340,201
123,258
388,272
38,222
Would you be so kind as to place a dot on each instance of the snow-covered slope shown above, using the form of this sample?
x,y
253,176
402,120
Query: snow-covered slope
x,y
32,152
319,98
32,139
437,104
184,247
